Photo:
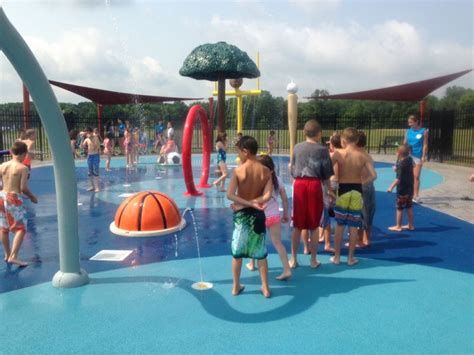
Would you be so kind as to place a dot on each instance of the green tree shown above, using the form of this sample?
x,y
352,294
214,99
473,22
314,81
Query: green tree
x,y
466,102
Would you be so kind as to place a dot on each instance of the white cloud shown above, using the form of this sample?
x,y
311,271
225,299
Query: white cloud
x,y
339,58
315,7
86,57
343,58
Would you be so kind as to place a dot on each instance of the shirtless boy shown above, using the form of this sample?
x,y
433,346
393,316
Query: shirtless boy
x,y
350,165
14,176
250,188
29,139
368,196
92,144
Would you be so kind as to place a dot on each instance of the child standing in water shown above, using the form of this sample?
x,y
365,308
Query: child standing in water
x,y
128,147
350,163
405,188
108,149
92,144
250,187
310,167
273,220
221,146
270,142
14,177
368,195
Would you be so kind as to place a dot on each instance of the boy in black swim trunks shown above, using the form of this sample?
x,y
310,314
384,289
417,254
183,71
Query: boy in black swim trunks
x,y
404,184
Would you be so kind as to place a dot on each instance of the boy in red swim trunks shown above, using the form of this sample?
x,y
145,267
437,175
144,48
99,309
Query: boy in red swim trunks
x,y
12,212
311,166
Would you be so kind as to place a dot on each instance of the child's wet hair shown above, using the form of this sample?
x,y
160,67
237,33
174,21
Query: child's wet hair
x,y
88,130
336,141
362,142
350,135
404,150
73,134
19,148
312,128
29,133
221,137
249,143
267,161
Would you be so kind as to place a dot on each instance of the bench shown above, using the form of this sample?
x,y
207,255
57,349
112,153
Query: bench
x,y
390,142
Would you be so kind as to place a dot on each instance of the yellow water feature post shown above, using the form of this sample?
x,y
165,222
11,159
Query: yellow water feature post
x,y
292,89
239,95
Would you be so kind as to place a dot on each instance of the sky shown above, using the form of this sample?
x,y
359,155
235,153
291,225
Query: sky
x,y
337,45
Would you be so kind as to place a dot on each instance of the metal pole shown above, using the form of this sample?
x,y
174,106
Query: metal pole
x,y
30,72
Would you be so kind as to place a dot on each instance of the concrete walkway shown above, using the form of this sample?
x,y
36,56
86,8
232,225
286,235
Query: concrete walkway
x,y
454,196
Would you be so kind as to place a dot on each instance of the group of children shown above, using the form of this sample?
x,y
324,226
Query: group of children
x,y
337,182
327,182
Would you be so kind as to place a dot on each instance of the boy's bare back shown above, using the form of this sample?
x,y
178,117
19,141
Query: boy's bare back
x,y
352,164
252,177
11,174
93,144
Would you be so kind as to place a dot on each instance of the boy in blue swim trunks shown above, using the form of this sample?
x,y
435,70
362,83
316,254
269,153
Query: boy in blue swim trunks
x,y
14,176
350,163
92,144
250,188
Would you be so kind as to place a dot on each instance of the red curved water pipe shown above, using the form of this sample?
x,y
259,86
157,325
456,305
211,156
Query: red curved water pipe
x,y
196,112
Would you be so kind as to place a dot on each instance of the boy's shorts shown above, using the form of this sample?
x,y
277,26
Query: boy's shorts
x,y
348,209
248,238
307,203
404,202
368,210
12,212
93,161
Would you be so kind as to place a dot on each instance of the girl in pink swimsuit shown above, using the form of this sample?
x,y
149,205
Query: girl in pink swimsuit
x,y
108,149
273,220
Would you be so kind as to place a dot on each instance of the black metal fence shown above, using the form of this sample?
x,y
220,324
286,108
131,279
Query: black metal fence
x,y
451,137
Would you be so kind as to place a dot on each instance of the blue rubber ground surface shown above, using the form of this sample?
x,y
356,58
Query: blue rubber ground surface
x,y
411,293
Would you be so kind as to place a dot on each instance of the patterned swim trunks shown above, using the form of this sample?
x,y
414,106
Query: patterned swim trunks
x,y
248,239
348,209
12,212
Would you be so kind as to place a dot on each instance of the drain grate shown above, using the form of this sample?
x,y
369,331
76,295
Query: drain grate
x,y
111,255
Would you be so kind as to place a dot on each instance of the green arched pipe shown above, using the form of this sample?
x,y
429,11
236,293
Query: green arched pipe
x,y
20,56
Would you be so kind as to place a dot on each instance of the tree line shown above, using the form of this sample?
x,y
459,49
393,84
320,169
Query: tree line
x,y
269,112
